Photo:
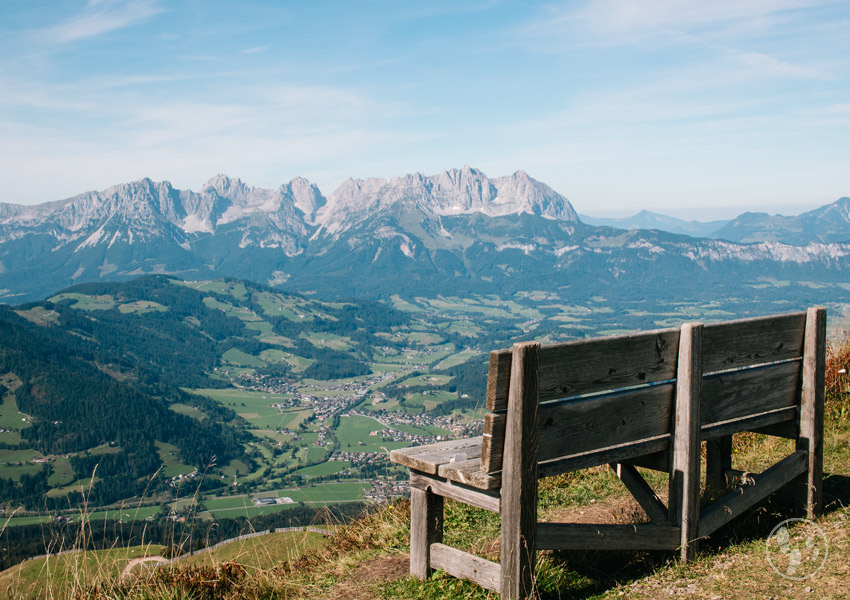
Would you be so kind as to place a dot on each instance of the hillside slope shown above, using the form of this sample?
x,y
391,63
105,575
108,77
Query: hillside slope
x,y
368,559
81,401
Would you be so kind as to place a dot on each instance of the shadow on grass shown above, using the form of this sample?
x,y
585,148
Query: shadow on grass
x,y
593,573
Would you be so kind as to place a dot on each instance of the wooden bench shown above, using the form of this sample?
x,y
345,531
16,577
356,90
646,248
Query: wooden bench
x,y
648,399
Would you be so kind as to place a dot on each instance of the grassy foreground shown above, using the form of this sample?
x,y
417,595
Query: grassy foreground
x,y
368,558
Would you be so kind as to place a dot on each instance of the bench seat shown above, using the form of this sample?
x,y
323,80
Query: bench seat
x,y
455,460
468,472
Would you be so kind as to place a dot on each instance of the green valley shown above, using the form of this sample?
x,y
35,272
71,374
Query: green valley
x,y
198,401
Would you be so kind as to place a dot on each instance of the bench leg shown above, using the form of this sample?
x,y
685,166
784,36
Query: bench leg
x,y
718,462
426,528
519,476
810,490
684,475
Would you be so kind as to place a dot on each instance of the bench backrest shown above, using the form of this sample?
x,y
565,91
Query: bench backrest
x,y
610,399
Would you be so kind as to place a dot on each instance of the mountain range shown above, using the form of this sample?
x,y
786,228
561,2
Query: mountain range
x,y
453,231
650,220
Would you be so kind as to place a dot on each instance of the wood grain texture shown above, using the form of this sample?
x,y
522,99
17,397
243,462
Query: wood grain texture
x,y
589,366
600,422
519,475
642,492
657,461
811,410
750,423
426,528
428,458
718,460
466,566
470,473
685,475
745,342
594,458
488,500
759,488
498,380
493,442
579,536
789,429
576,427
738,394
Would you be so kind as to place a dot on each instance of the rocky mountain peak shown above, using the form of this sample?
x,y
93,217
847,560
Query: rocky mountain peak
x,y
226,187
305,196
451,192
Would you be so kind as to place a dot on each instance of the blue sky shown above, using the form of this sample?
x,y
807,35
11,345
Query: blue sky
x,y
696,109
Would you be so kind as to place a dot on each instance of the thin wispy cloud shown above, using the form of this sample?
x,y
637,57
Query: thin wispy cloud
x,y
770,65
256,49
612,23
101,17
682,15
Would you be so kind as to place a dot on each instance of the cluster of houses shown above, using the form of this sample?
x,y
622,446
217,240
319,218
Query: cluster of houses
x,y
386,491
358,459
174,481
455,426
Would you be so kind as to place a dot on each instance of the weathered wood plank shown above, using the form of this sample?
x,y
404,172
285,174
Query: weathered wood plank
x,y
575,427
684,477
493,442
426,528
466,566
759,487
579,536
594,458
749,423
789,429
642,492
718,460
576,368
486,499
470,473
745,342
658,461
811,410
579,426
519,475
589,366
428,458
498,380
738,394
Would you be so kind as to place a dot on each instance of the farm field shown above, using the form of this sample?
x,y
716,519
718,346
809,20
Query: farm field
x,y
363,434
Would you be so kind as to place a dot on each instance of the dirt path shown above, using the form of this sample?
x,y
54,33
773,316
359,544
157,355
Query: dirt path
x,y
359,584
128,570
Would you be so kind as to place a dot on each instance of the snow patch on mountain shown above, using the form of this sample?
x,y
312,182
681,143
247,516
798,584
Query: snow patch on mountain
x,y
564,250
93,239
526,248
194,224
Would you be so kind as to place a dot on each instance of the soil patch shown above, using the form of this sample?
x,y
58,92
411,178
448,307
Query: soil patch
x,y
360,583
